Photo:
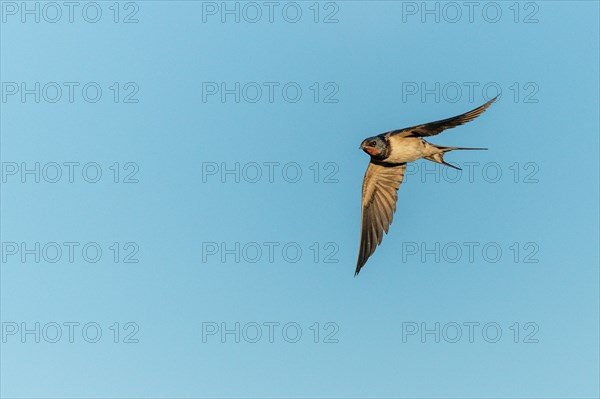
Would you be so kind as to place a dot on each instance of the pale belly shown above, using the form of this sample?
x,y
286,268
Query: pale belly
x,y
408,150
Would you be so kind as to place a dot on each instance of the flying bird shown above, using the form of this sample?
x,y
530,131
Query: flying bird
x,y
389,153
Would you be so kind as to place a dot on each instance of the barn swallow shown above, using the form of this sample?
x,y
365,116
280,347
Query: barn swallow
x,y
389,153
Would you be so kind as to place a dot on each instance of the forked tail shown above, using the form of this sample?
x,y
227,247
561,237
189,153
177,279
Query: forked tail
x,y
446,149
439,157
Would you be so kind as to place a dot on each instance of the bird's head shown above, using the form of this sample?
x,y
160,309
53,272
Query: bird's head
x,y
375,146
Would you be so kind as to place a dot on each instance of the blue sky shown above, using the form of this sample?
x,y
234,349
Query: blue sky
x,y
180,200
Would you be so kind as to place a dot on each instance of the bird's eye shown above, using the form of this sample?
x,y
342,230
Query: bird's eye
x,y
372,143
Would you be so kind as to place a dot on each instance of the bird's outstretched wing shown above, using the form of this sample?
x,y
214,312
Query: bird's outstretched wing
x,y
433,128
378,205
